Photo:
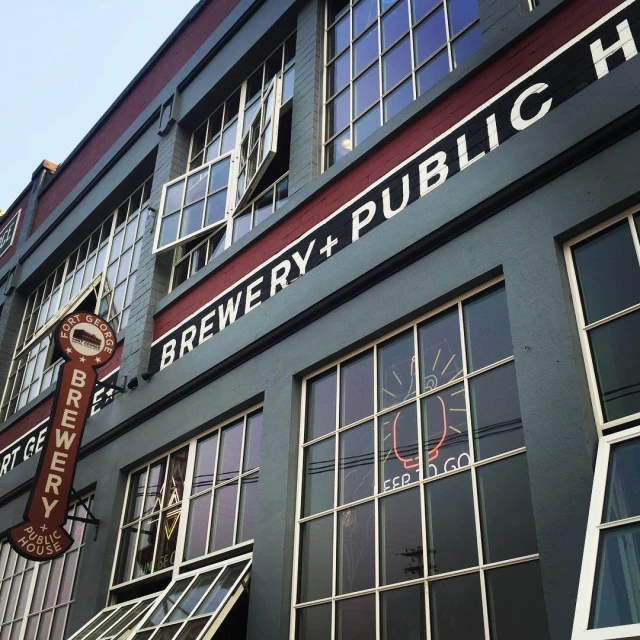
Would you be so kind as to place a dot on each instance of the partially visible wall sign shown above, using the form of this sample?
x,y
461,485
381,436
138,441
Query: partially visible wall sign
x,y
32,442
8,233
581,62
87,342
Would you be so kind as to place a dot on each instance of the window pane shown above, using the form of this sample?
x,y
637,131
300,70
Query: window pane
x,y
314,623
338,74
461,13
167,539
192,629
125,556
356,463
216,207
338,37
366,90
192,596
205,463
402,613
365,51
224,516
420,8
398,446
364,13
176,477
321,407
401,537
451,529
440,351
396,370
616,350
146,545
155,487
136,493
196,186
430,36
508,527
616,599
487,330
466,45
338,113
456,608
173,197
192,219
356,389
396,101
316,559
230,448
222,587
623,486
338,148
365,126
197,527
432,72
241,226
319,471
252,442
356,548
396,64
445,437
395,23
516,603
169,229
166,603
248,508
495,412
356,618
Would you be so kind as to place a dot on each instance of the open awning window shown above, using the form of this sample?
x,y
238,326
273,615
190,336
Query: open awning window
x,y
113,623
194,605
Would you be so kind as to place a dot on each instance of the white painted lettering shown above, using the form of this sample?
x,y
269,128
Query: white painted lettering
x,y
625,42
440,169
186,341
387,210
301,261
206,327
64,439
48,506
79,378
358,223
58,460
168,353
229,314
73,398
463,154
519,123
279,275
251,301
69,418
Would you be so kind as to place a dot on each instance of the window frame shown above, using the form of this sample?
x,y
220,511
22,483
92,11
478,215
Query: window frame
x,y
602,425
590,557
484,565
180,564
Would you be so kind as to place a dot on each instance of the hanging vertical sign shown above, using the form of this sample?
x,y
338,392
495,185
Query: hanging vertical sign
x,y
87,342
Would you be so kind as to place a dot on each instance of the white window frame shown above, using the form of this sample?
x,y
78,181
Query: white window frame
x,y
583,327
180,564
581,629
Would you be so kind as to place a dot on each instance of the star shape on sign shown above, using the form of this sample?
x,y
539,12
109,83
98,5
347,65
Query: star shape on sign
x,y
68,350
98,359
83,359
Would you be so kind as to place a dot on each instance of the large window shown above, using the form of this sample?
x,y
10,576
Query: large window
x,y
382,54
604,267
98,277
240,150
414,508
193,503
609,594
35,597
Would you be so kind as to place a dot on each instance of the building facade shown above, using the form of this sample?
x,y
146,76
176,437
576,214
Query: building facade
x,y
371,268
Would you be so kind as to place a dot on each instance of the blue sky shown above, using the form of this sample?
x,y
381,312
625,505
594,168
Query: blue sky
x,y
62,64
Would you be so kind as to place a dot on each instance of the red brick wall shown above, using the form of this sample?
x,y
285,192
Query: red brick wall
x,y
139,98
5,219
567,23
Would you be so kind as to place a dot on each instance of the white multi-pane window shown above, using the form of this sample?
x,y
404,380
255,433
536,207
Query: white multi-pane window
x,y
194,606
192,503
35,597
382,54
98,277
191,256
604,272
238,151
414,511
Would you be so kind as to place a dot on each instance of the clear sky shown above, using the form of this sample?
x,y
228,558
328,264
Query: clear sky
x,y
62,64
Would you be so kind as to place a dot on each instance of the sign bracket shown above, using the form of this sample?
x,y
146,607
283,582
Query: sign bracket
x,y
111,385
91,519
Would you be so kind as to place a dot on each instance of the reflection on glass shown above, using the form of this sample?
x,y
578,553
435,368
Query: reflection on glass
x,y
153,499
395,23
365,126
356,389
396,370
364,13
319,465
224,515
429,36
508,528
230,448
248,507
125,555
219,591
136,493
456,608
356,618
495,412
356,548
461,13
402,613
192,596
399,460
168,539
451,528
616,350
623,485
356,467
487,330
608,272
398,99
321,407
316,559
365,50
466,45
516,603
366,90
167,603
314,623
440,351
197,526
176,477
401,537
205,463
445,430
396,64
146,545
191,631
